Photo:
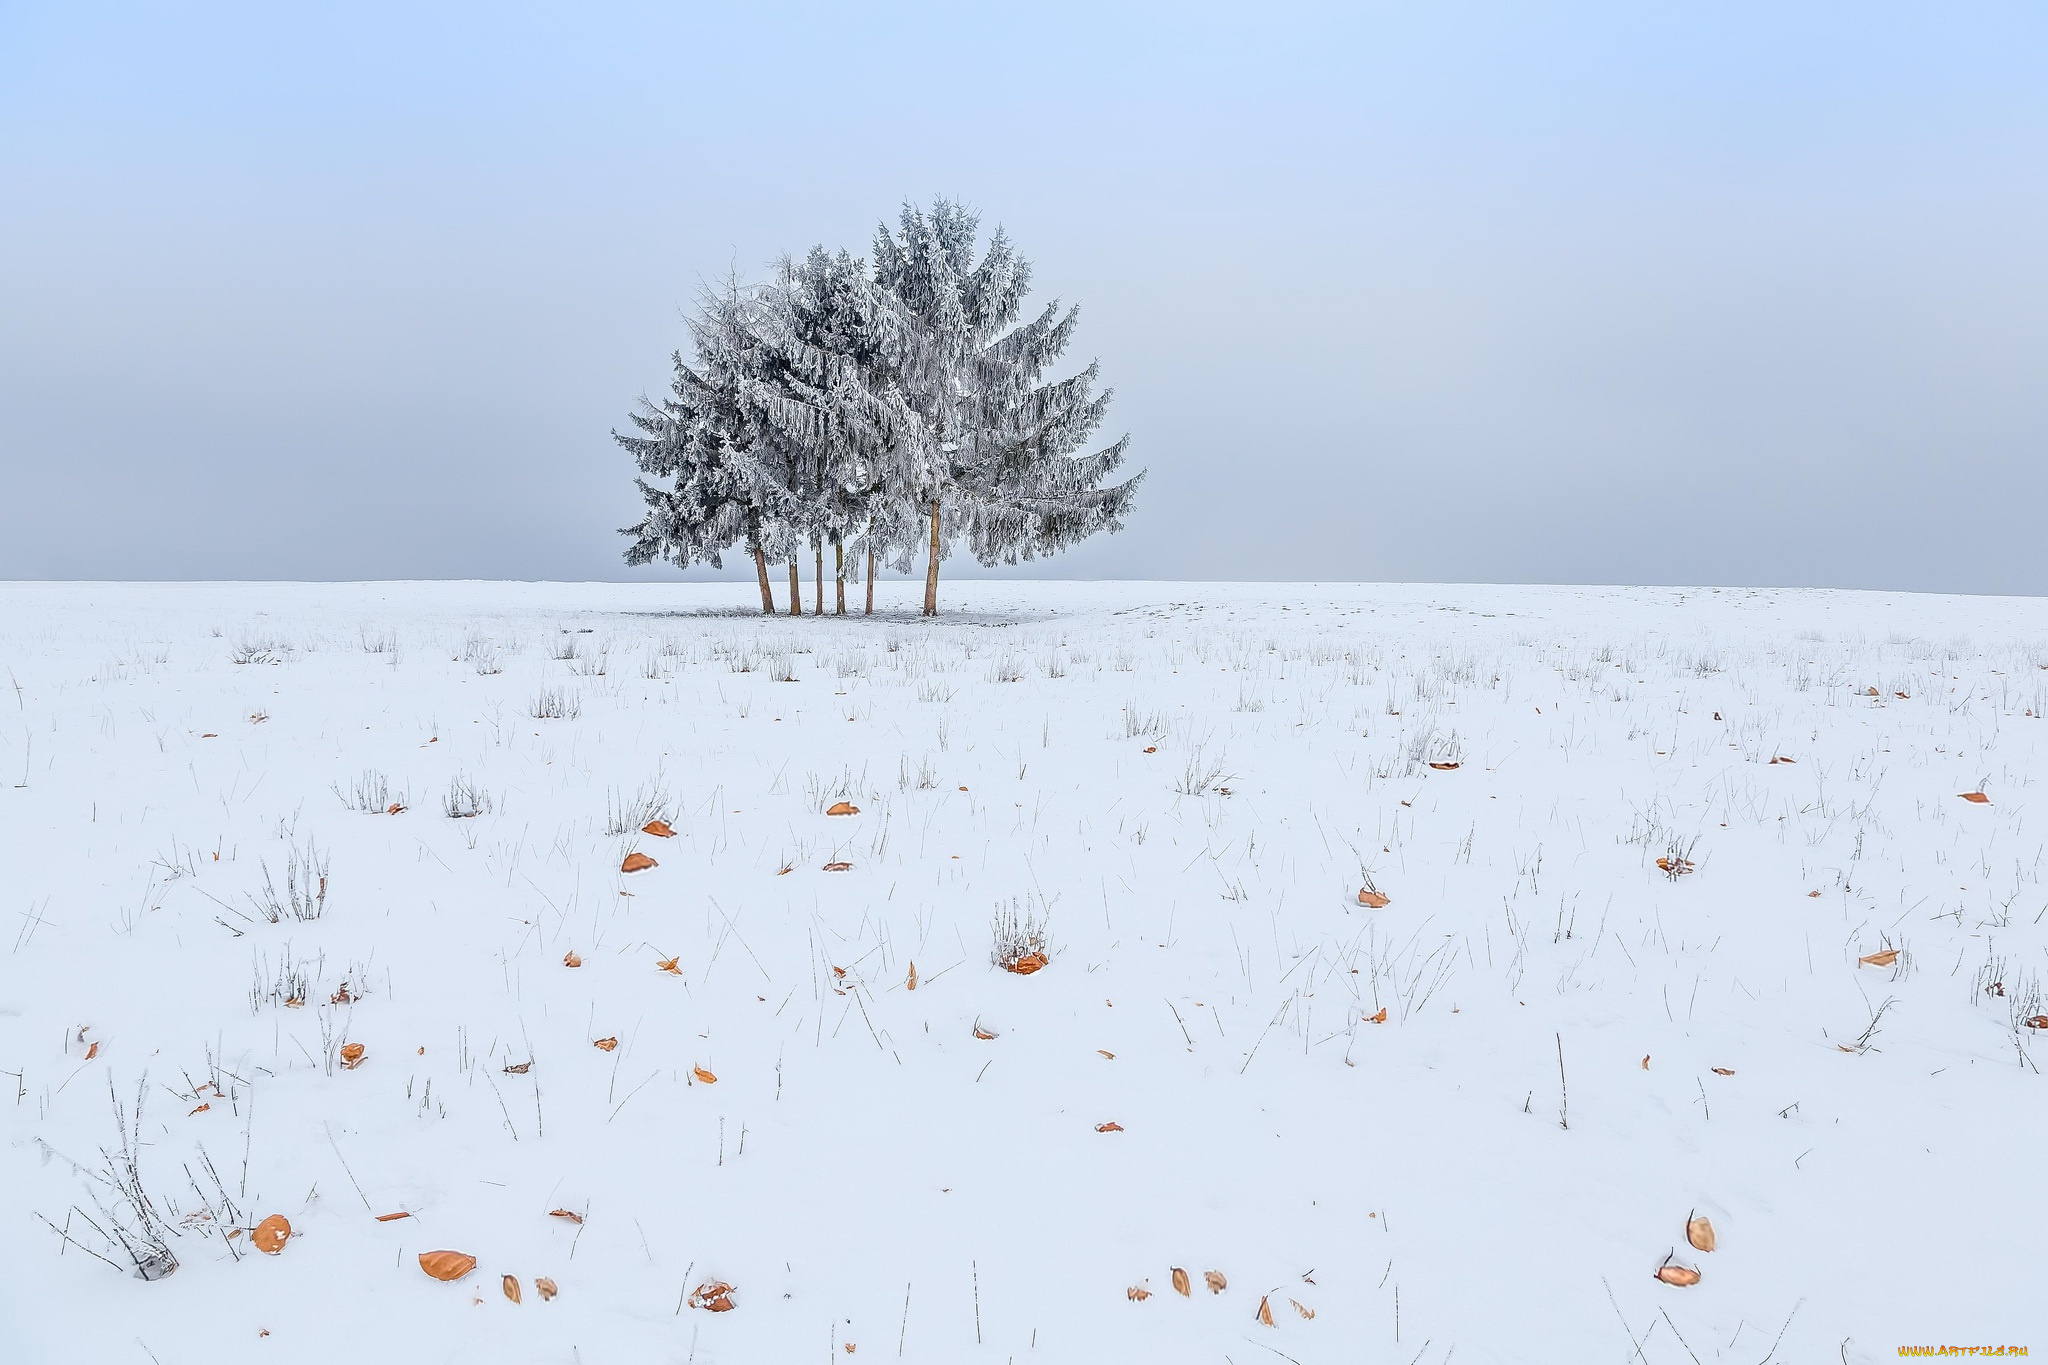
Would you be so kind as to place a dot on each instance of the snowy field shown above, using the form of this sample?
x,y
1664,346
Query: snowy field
x,y
295,876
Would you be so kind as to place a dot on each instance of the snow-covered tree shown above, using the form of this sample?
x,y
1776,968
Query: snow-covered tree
x,y
700,438
836,335
996,451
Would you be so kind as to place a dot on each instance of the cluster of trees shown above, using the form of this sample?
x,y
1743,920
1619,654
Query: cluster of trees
x,y
884,409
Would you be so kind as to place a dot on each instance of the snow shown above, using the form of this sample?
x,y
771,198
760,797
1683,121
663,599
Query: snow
x,y
864,1170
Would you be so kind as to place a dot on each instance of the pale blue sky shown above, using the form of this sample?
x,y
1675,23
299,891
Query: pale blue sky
x,y
1674,293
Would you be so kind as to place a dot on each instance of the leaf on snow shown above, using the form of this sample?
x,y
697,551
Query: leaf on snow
x,y
447,1265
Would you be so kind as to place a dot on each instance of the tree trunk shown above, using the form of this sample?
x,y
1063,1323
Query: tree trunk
x,y
871,582
796,588
818,583
839,576
931,573
767,588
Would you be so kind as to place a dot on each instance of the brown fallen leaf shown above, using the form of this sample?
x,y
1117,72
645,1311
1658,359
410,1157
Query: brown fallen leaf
x,y
605,1044
566,1215
1105,1052
341,996
1214,1279
1883,959
1265,1313
200,1110
670,965
511,1288
520,1069
842,808
1646,1061
1699,1230
271,1234
1027,964
1109,1127
1976,798
1373,900
1180,1282
392,1217
912,983
660,829
1379,1018
570,959
705,1076
839,867
2037,1021
1444,767
714,1296
545,1287
352,1055
92,1052
1137,1293
1720,1071
447,1265
637,862
394,808
1813,895
1674,869
1308,1314
1782,759
1682,1276
983,1034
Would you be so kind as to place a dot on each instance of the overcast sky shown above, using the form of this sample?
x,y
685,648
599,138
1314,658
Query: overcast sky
x,y
1714,293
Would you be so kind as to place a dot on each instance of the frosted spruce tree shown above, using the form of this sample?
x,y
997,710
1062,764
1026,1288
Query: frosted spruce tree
x,y
835,339
702,438
996,451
